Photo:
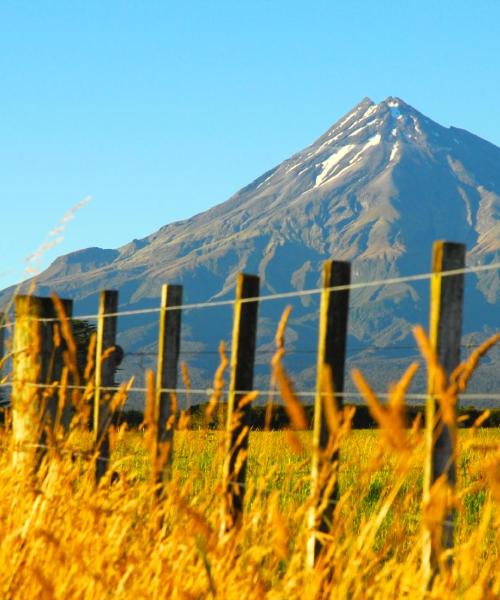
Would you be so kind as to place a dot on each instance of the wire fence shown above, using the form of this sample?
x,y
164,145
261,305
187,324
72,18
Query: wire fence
x,y
446,313
208,391
305,351
282,295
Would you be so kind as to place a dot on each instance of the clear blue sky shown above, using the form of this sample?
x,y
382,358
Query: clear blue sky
x,y
161,109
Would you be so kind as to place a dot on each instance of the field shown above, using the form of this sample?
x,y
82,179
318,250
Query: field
x,y
136,534
63,538
198,459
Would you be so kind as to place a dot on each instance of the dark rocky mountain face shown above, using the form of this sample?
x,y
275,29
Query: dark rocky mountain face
x,y
376,189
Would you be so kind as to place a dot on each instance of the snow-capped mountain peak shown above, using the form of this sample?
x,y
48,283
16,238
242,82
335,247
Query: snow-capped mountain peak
x,y
377,188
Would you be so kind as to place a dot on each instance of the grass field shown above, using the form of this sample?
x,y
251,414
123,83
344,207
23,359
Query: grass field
x,y
198,457
62,538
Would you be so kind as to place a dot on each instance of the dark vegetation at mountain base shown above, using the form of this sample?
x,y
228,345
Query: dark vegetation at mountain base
x,y
279,420
362,417
376,189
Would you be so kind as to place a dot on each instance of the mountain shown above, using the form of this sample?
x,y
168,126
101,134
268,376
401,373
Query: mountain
x,y
377,189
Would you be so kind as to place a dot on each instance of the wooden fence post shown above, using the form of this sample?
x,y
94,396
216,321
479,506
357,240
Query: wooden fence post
x,y
105,366
332,339
37,362
2,350
53,400
166,376
239,412
445,331
2,334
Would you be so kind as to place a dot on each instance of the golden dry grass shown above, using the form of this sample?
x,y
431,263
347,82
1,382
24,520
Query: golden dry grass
x,y
63,538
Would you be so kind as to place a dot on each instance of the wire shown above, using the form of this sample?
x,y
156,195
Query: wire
x,y
80,453
285,295
211,391
375,283
297,351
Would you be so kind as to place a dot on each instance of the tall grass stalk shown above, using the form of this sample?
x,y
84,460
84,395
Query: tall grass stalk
x,y
63,536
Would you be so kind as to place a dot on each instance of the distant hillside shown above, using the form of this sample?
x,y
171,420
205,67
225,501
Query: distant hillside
x,y
377,189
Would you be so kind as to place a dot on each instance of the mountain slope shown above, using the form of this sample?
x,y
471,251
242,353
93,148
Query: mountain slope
x,y
377,188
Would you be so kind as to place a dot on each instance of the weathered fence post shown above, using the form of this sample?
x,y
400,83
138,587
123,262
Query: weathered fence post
x,y
105,366
239,411
445,330
53,401
2,343
166,376
332,341
37,362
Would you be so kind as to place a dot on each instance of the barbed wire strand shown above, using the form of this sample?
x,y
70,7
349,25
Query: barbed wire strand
x,y
284,295
298,351
89,454
210,391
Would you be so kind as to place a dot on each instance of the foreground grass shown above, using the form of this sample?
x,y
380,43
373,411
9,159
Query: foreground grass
x,y
64,538
198,456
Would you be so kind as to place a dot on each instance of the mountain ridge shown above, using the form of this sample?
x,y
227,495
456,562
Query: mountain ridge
x,y
377,188
127,249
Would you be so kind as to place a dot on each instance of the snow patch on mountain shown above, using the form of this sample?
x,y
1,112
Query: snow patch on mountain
x,y
370,111
265,181
394,108
341,197
416,125
328,164
357,131
329,172
394,151
348,118
373,141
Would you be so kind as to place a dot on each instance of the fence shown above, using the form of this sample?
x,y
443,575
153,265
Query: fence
x,y
42,345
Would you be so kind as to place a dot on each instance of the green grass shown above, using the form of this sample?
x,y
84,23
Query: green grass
x,y
198,458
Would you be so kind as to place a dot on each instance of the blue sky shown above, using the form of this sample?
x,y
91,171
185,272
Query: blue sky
x,y
158,110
